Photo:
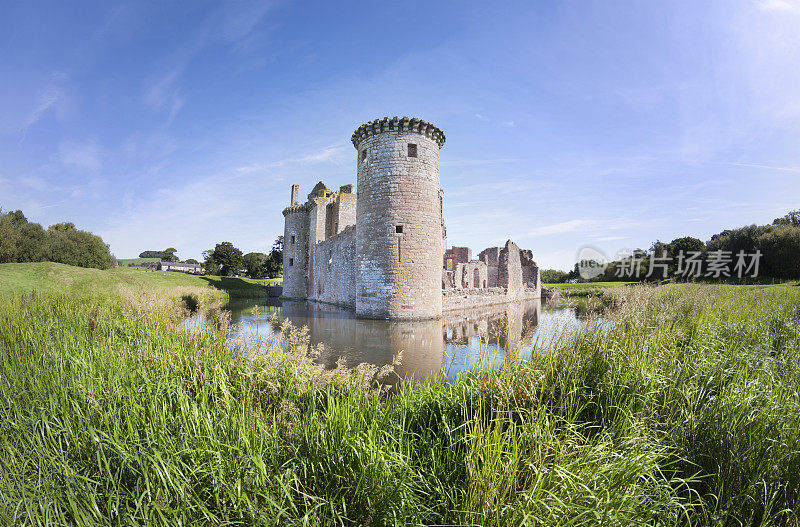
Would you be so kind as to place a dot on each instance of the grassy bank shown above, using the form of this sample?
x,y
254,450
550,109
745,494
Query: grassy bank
x,y
686,411
48,277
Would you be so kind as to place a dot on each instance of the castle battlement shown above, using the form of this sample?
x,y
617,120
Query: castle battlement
x,y
382,251
292,209
398,124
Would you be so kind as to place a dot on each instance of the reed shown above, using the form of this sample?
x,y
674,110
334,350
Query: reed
x,y
686,410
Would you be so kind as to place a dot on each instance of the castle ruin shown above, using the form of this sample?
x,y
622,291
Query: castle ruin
x,y
381,250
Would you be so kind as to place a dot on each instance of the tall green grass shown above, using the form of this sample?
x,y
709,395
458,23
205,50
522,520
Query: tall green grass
x,y
685,411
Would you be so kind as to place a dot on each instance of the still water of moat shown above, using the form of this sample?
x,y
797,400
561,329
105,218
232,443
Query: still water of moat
x,y
451,344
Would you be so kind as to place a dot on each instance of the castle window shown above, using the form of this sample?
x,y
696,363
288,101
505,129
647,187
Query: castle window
x,y
291,262
363,155
412,150
330,259
292,240
398,229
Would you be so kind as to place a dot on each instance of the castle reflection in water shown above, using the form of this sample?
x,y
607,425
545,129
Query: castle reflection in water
x,y
452,343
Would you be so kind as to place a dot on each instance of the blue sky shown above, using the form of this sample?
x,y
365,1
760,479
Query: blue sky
x,y
613,124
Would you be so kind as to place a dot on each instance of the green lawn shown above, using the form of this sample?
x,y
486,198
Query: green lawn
x,y
48,277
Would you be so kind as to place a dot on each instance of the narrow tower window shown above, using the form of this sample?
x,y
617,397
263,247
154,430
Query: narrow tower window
x,y
363,155
292,240
291,262
412,150
398,229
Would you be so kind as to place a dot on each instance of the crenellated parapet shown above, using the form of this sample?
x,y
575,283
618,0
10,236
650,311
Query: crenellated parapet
x,y
398,124
292,209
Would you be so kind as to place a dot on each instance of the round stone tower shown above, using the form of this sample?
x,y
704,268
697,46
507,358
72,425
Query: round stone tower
x,y
295,249
398,219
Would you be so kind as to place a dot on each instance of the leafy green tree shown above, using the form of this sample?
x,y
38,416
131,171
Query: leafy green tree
x,y
255,264
553,276
32,243
273,267
8,239
150,254
71,246
780,249
209,265
22,241
792,218
192,261
228,257
168,255
686,244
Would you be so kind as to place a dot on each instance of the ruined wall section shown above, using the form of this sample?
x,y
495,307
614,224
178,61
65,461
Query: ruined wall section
x,y
295,251
399,242
509,270
334,274
341,212
531,278
491,257
317,219
458,255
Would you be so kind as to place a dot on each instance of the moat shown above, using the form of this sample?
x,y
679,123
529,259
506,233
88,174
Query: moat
x,y
451,344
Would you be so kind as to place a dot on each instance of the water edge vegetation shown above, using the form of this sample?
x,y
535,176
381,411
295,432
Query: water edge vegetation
x,y
685,411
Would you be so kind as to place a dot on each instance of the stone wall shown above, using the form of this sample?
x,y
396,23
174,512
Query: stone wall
x,y
509,272
453,299
490,256
295,251
334,274
341,212
398,220
382,250
458,255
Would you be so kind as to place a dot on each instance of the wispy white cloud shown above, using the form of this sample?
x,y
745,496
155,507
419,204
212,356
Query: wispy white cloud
x,y
231,22
84,155
558,228
35,183
478,162
790,6
162,93
768,167
46,100
335,154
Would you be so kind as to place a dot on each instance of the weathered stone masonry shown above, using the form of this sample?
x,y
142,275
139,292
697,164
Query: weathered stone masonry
x,y
381,251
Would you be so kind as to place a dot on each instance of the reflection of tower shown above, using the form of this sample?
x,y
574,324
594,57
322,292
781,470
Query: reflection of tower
x,y
505,323
423,347
373,341
398,219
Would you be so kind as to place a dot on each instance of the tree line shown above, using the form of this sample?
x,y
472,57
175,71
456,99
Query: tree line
x,y
24,241
777,244
226,260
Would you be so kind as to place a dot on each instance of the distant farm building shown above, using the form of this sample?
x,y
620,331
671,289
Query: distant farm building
x,y
179,266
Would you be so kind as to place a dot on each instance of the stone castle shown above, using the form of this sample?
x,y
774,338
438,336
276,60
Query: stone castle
x,y
381,249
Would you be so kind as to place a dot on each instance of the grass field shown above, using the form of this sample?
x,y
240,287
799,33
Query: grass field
x,y
48,277
686,411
